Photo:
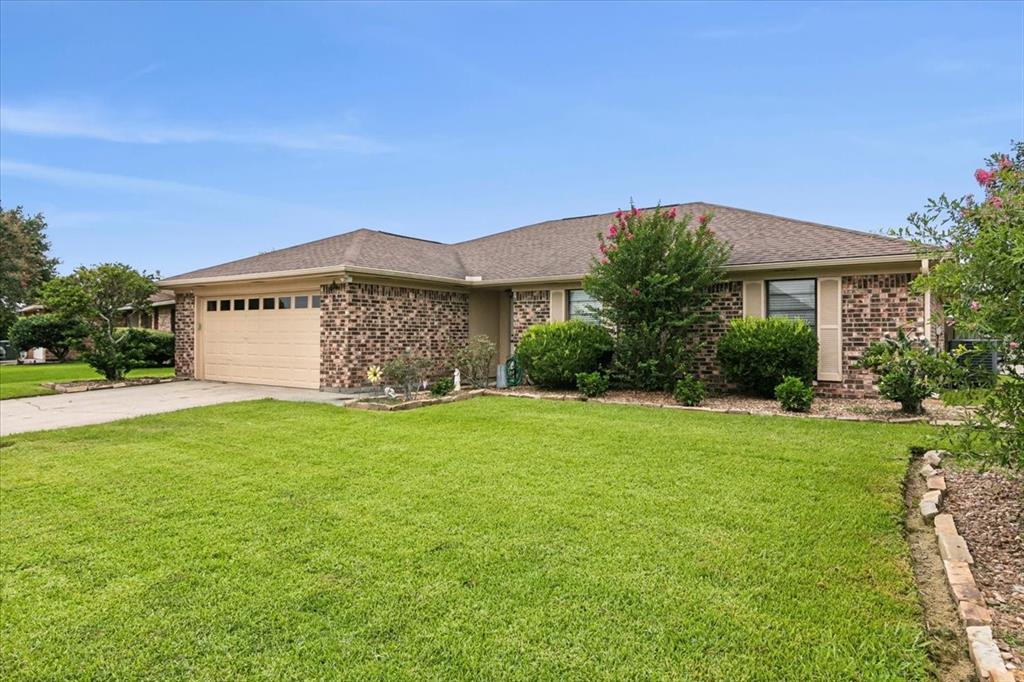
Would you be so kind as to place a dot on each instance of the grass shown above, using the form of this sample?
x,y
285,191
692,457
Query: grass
x,y
491,538
23,381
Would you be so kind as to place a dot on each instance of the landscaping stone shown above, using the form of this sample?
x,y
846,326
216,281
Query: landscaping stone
x,y
934,496
944,525
927,471
967,592
933,457
929,510
974,614
985,655
953,548
936,483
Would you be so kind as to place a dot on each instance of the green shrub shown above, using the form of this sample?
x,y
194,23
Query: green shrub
x,y
54,333
406,371
759,353
148,347
592,384
689,391
442,386
554,353
908,371
794,395
476,361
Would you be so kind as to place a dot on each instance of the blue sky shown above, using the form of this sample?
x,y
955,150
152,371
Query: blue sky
x,y
174,136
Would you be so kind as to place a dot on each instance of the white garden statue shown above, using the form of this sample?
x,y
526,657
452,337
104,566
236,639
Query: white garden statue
x,y
457,379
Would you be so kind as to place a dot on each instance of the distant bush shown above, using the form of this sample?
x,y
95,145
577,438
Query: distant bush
x,y
555,352
442,386
56,334
689,391
406,371
758,354
794,395
592,384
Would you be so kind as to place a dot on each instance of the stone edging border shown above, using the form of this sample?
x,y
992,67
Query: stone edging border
x,y
957,561
81,387
728,410
413,404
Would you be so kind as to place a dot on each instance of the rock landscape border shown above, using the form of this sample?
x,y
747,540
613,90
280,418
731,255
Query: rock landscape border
x,y
957,562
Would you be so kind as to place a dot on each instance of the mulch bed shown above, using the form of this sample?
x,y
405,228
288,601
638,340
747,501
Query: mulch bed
x,y
989,511
836,408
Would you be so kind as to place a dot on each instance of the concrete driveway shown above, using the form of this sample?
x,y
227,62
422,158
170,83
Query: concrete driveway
x,y
42,413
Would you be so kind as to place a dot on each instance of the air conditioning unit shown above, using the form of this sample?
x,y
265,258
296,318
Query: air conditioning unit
x,y
981,358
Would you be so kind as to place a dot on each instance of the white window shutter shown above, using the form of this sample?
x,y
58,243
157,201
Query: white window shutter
x,y
557,302
753,299
830,329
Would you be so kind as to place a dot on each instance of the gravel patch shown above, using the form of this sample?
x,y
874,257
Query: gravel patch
x,y
989,512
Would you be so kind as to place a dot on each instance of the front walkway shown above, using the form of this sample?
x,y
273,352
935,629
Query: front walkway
x,y
43,413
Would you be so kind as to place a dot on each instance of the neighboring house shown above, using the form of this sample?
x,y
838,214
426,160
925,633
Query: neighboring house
x,y
35,354
160,315
318,314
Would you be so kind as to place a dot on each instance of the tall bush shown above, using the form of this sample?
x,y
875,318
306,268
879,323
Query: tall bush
x,y
909,370
975,248
555,352
758,354
148,347
96,296
475,361
653,283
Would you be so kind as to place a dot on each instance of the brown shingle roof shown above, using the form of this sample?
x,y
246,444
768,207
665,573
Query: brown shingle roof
x,y
560,248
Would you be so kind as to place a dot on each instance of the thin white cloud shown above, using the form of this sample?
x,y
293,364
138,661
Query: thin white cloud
x,y
68,121
92,180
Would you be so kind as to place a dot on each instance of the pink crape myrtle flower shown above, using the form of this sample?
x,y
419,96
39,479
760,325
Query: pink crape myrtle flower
x,y
604,261
1014,345
975,305
672,213
604,248
612,231
997,202
983,177
1005,162
629,235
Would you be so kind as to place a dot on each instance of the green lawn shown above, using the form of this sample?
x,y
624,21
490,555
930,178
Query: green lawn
x,y
22,381
492,538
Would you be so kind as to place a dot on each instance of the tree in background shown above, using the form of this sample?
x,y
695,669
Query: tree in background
x,y
654,281
976,270
56,334
24,264
96,296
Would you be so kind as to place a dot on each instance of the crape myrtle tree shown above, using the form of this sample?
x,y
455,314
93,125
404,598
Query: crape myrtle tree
x,y
97,297
976,269
653,281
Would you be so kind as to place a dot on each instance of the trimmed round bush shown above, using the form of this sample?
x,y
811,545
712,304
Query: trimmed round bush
x,y
148,347
758,354
592,384
794,395
554,353
689,391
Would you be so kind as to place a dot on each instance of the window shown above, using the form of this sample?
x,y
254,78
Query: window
x,y
268,303
316,301
239,304
211,306
794,298
254,304
302,301
583,306
284,303
225,305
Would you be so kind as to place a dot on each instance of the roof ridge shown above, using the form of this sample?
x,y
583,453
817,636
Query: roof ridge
x,y
848,230
575,217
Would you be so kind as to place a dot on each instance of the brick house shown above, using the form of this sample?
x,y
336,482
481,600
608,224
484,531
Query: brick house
x,y
318,314
160,315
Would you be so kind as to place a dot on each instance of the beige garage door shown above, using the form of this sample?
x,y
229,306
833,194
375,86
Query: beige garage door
x,y
262,339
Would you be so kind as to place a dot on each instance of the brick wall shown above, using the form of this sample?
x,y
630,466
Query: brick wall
x,y
185,335
368,324
529,308
163,318
874,305
727,305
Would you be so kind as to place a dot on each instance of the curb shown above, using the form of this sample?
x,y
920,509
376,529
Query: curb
x,y
956,563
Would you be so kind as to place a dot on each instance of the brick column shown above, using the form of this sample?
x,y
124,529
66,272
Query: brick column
x,y
185,336
529,308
